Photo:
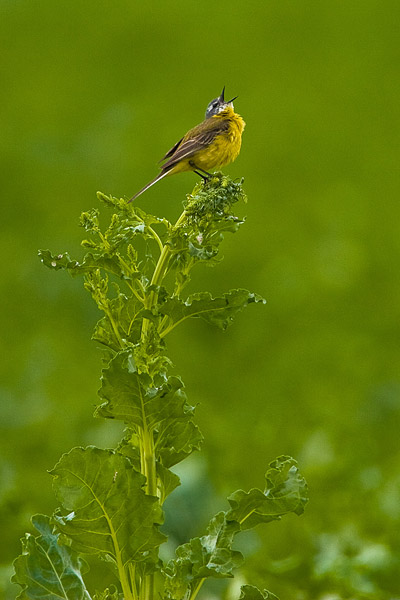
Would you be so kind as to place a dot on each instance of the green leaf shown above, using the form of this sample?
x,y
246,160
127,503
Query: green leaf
x,y
208,556
169,481
211,201
89,263
111,515
250,592
218,311
108,594
285,492
212,555
208,216
112,249
46,570
217,558
56,261
129,447
159,409
130,212
176,439
124,314
130,396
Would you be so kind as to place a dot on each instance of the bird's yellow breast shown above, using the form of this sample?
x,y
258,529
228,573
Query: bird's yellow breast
x,y
223,149
226,146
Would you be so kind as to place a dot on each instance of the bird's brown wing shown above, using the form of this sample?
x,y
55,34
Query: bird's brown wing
x,y
196,139
170,152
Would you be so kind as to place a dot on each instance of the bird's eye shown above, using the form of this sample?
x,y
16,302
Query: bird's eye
x,y
213,106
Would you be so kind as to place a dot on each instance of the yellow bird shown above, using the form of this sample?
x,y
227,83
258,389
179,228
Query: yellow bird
x,y
213,143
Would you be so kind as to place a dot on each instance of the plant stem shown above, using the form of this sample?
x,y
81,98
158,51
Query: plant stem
x,y
196,589
147,453
149,463
156,237
133,581
114,326
123,576
149,587
158,276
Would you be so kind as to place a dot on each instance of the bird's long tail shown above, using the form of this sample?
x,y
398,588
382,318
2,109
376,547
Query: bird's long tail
x,y
146,187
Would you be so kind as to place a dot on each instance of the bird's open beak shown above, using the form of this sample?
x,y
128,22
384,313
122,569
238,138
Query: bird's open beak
x,y
221,98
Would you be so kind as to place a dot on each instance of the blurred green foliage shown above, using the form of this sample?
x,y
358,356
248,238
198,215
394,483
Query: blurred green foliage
x,y
92,95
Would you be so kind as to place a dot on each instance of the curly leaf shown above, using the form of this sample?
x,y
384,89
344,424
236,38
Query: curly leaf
x,y
208,556
250,592
108,594
131,397
217,311
176,439
88,264
169,481
285,492
212,554
111,515
123,322
46,570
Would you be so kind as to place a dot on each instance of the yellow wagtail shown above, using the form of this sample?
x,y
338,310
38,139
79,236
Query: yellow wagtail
x,y
213,143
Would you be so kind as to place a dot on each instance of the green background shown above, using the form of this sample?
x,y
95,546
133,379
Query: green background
x,y
92,95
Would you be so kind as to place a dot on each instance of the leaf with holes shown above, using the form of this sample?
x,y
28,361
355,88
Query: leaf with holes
x,y
217,311
109,513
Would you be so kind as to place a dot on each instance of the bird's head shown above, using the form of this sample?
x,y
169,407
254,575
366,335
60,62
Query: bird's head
x,y
218,105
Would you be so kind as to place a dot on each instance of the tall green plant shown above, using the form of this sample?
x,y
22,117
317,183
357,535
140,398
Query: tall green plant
x,y
111,500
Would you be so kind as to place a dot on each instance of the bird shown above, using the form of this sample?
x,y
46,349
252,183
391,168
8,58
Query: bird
x,y
213,143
